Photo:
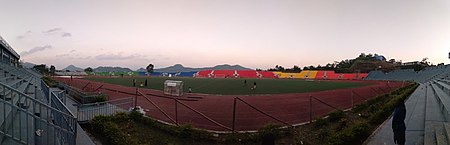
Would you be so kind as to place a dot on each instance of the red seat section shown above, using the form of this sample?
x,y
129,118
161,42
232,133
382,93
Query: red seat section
x,y
247,74
349,76
362,75
330,75
320,74
266,74
203,74
223,73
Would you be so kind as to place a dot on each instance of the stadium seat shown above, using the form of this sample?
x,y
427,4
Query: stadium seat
x,y
224,74
203,74
266,74
320,75
247,73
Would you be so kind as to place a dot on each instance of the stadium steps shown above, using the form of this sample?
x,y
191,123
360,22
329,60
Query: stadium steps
x,y
10,112
436,124
415,115
443,101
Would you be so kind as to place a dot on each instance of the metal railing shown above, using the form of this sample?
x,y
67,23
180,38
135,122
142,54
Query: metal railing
x,y
66,120
27,120
87,112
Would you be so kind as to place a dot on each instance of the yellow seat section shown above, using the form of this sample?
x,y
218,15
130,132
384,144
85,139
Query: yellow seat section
x,y
290,75
304,74
277,73
312,74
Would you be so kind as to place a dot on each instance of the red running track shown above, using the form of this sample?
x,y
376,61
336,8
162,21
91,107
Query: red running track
x,y
290,108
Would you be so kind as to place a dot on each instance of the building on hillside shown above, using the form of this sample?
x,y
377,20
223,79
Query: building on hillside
x,y
411,63
8,55
379,57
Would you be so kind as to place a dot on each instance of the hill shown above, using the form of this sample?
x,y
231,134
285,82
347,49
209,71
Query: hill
x,y
27,64
181,68
111,69
72,68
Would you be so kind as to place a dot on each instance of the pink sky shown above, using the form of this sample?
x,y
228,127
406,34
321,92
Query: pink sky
x,y
252,33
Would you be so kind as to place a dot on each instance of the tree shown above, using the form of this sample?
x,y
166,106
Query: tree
x,y
150,68
52,69
89,70
41,68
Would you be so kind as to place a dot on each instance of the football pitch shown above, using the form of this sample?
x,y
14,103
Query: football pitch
x,y
232,86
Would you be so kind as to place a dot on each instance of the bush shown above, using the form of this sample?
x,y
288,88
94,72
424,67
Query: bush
x,y
354,134
50,82
319,122
111,133
100,98
336,115
270,129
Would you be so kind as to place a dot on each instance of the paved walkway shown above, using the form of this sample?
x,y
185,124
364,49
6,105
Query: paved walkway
x,y
82,137
415,122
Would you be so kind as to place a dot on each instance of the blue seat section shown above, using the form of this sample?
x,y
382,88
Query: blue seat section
x,y
422,76
187,74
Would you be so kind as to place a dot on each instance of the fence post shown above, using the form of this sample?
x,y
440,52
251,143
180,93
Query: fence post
x,y
176,111
310,109
352,98
234,115
135,98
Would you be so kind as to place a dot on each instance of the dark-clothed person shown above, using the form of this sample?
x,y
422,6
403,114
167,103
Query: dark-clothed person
x,y
398,123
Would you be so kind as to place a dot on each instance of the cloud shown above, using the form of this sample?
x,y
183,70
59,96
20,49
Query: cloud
x,y
72,51
36,49
66,34
28,33
52,31
57,31
116,56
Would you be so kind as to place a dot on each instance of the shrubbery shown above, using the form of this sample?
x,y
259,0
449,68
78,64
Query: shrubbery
x,y
378,108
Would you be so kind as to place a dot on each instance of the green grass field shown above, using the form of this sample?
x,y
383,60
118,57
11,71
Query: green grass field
x,y
236,86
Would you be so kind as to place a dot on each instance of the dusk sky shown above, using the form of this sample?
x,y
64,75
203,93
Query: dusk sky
x,y
196,33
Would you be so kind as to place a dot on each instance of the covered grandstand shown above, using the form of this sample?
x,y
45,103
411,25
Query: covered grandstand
x,y
9,56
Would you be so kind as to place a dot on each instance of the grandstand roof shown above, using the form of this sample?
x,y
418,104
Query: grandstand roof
x,y
8,47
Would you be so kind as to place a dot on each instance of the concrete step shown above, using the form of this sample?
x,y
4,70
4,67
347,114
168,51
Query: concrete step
x,y
430,133
443,100
441,137
419,140
433,108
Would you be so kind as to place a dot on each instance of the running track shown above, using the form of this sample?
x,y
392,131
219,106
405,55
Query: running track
x,y
290,108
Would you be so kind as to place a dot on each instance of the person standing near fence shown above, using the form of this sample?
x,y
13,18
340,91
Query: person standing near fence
x,y
398,123
134,82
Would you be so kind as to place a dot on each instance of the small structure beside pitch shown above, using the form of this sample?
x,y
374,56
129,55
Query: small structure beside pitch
x,y
173,88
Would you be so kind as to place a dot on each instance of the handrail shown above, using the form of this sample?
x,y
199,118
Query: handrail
x,y
85,86
31,98
65,107
263,112
157,107
326,103
203,115
359,95
116,100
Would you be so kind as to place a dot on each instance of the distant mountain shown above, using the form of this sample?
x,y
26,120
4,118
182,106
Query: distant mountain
x,y
181,68
111,69
141,70
73,68
27,65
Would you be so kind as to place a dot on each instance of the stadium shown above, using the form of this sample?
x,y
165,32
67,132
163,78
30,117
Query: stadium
x,y
218,101
112,98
